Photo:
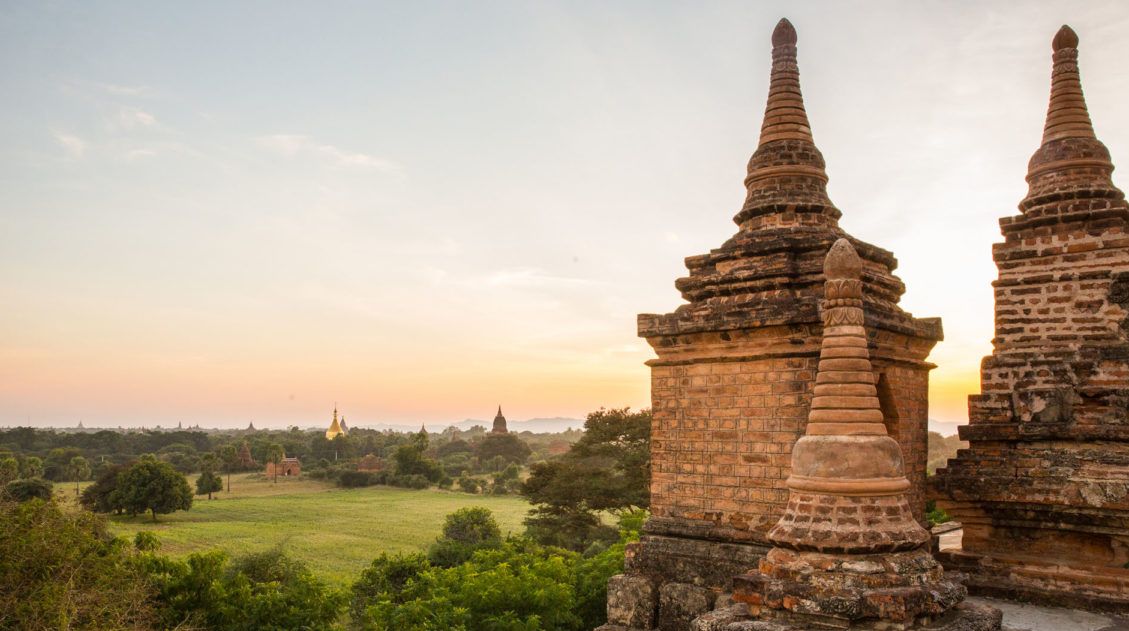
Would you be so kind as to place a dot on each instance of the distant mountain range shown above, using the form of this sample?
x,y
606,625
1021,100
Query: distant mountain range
x,y
535,425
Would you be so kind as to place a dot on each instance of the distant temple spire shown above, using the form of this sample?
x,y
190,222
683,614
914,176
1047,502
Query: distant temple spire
x,y
251,426
335,428
786,182
499,423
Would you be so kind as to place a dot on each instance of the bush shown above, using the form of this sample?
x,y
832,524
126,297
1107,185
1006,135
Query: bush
x,y
567,528
62,569
412,481
26,489
266,590
517,586
468,485
146,541
355,479
385,580
465,531
935,515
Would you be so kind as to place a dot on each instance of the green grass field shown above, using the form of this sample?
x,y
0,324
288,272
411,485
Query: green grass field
x,y
336,531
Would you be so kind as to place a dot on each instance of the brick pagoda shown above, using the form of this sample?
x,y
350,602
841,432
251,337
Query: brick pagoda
x,y
736,368
1042,490
849,553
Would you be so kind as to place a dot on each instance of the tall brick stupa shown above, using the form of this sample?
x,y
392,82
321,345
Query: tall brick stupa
x,y
736,367
849,553
1043,490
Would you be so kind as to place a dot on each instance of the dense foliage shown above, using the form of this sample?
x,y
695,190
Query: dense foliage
x,y
608,469
26,489
62,570
268,590
517,585
465,532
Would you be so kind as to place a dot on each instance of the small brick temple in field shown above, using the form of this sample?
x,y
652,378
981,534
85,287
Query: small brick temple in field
x,y
790,402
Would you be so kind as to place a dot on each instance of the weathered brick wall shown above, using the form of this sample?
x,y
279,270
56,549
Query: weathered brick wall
x,y
1045,479
723,429
722,440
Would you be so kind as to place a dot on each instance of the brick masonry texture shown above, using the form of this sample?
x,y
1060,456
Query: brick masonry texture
x,y
735,368
1042,489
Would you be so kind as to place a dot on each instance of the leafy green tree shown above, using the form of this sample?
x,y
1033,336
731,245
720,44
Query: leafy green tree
x,y
78,469
385,579
102,496
153,486
266,590
56,465
410,460
465,531
208,483
506,446
32,467
275,454
9,469
26,489
61,569
517,586
454,446
608,469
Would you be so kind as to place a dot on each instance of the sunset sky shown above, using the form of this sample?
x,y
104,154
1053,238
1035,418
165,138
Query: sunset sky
x,y
219,212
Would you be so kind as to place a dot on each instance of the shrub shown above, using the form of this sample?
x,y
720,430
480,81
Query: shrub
x,y
61,569
567,528
146,541
465,531
27,489
468,485
385,579
266,590
355,479
935,515
411,481
517,586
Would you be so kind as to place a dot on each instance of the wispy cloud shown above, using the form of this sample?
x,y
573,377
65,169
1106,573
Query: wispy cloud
x,y
295,145
533,277
123,90
132,118
74,146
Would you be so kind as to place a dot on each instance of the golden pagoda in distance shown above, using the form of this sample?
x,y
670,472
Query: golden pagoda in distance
x,y
335,428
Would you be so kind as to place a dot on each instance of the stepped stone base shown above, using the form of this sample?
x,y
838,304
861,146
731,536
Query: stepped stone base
x,y
1051,584
839,591
670,581
963,617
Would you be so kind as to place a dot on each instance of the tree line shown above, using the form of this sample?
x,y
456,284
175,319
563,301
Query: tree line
x,y
552,576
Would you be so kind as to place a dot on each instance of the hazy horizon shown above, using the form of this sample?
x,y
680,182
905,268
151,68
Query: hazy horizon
x,y
225,212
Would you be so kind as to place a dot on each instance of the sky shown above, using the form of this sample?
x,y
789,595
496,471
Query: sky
x,y
218,212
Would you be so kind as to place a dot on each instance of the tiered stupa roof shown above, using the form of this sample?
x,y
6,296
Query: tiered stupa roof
x,y
769,272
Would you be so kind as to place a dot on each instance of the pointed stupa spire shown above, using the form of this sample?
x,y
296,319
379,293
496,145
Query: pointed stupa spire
x,y
1067,116
1071,160
846,460
784,116
334,427
786,182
